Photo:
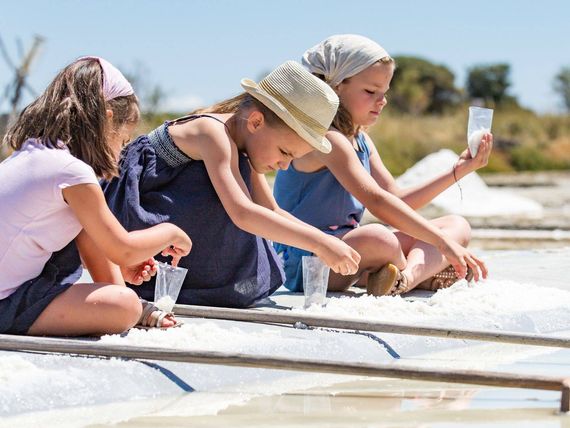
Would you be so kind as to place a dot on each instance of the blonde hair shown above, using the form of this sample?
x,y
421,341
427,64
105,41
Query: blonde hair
x,y
343,120
240,103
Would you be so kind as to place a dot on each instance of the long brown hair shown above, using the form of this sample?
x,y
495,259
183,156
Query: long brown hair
x,y
343,120
72,112
243,102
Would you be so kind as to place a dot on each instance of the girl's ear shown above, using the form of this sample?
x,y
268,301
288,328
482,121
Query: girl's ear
x,y
255,121
109,114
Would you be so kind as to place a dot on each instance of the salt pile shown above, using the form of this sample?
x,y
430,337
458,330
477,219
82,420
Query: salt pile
x,y
209,336
491,304
478,199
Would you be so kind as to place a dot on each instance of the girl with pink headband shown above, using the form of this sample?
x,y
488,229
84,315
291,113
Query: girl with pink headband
x,y
53,214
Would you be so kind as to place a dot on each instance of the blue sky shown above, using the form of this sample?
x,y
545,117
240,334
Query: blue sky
x,y
198,51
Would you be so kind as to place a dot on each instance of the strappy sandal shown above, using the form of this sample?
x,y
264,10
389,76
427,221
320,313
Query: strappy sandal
x,y
389,280
444,279
153,317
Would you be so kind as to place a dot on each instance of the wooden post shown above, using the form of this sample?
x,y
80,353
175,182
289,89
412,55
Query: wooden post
x,y
565,398
283,317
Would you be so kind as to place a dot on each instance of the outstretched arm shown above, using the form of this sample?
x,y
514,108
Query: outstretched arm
x,y
421,195
220,156
346,167
262,195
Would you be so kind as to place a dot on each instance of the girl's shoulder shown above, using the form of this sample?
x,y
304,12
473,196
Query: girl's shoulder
x,y
57,161
365,142
200,135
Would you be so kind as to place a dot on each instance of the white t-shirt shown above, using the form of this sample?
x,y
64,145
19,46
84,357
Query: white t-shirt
x,y
35,221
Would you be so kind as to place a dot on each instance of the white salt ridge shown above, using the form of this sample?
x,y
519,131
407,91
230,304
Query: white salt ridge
x,y
491,304
207,336
478,199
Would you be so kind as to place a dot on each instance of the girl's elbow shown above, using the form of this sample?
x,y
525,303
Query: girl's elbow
x,y
123,254
240,217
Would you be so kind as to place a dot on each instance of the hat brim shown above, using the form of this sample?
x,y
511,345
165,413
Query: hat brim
x,y
321,144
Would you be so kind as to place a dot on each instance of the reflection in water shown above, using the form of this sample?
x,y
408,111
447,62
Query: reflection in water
x,y
376,404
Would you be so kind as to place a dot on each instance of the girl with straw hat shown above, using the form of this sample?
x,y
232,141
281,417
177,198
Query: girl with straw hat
x,y
331,191
204,173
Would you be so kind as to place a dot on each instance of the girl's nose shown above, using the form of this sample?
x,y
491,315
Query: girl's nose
x,y
284,164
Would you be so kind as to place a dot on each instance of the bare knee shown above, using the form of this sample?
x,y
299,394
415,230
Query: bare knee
x,y
377,245
459,228
122,308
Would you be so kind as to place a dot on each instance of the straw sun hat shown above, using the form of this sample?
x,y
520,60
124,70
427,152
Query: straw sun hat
x,y
304,102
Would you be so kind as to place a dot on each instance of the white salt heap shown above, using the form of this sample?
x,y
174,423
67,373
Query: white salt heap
x,y
209,336
491,304
478,199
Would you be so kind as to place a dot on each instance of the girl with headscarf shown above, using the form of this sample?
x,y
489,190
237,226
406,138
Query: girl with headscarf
x,y
331,191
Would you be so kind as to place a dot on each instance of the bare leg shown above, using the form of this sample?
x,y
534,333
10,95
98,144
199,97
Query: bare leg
x,y
377,246
89,309
423,259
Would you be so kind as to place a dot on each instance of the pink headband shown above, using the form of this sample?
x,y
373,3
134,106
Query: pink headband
x,y
114,83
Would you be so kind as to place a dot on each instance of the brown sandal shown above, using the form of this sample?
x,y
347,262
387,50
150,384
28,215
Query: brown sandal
x,y
389,280
153,317
444,279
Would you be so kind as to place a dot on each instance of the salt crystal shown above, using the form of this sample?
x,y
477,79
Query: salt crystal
x,y
165,303
475,139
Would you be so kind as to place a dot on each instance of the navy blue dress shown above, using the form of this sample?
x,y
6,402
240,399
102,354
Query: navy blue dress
x,y
159,183
22,308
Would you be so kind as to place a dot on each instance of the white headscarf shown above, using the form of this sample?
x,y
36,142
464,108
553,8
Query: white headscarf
x,y
342,56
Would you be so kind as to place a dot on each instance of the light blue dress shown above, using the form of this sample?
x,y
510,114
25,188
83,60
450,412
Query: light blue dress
x,y
317,198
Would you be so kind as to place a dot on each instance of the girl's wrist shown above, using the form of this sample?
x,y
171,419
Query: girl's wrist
x,y
460,169
319,243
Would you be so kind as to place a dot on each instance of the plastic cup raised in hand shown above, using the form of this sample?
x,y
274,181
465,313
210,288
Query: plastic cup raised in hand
x,y
169,281
480,121
315,280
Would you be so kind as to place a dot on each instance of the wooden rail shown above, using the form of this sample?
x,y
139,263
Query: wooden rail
x,y
291,318
84,347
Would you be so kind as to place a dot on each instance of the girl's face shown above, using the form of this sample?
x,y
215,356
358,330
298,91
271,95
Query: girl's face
x,y
271,148
118,138
364,94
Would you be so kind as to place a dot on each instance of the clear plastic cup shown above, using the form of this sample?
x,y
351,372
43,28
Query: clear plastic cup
x,y
479,124
315,280
169,281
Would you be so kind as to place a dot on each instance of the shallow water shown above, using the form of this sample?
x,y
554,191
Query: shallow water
x,y
355,404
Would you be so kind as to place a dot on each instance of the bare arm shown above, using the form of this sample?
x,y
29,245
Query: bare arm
x,y
100,267
421,195
262,195
116,244
220,156
346,167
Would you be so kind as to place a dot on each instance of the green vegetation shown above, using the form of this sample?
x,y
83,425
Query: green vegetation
x,y
562,86
427,112
524,141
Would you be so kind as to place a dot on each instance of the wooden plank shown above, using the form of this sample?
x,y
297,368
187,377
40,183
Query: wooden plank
x,y
93,348
282,317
